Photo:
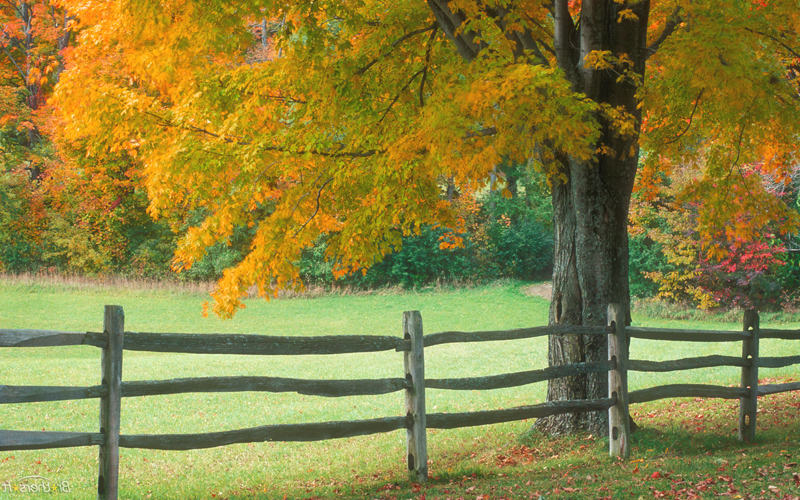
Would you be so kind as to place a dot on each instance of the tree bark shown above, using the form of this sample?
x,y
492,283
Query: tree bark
x,y
590,209
590,271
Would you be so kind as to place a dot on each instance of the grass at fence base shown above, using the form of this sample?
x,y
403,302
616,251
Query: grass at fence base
x,y
684,449
489,461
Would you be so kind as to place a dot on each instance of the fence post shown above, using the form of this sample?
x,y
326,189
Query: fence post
x,y
619,428
110,405
414,363
748,406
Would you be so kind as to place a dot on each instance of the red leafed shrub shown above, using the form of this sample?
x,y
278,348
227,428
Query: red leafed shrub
x,y
744,277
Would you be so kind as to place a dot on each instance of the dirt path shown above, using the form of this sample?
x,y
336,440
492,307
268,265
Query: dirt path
x,y
543,290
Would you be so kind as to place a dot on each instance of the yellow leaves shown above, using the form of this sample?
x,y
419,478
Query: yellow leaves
x,y
506,111
600,60
653,174
450,241
737,209
678,286
35,76
275,146
351,131
619,64
703,222
715,251
627,15
622,122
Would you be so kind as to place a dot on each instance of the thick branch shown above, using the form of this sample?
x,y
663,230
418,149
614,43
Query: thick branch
x,y
563,31
522,40
450,22
669,28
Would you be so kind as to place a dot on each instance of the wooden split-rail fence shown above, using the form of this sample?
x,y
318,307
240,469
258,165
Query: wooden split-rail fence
x,y
114,340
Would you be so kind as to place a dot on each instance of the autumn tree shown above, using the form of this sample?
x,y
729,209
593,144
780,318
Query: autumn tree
x,y
361,114
32,36
729,269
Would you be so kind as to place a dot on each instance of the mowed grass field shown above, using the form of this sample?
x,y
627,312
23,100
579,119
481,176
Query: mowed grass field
x,y
362,467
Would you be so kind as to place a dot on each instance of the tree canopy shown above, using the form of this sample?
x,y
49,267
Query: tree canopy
x,y
347,118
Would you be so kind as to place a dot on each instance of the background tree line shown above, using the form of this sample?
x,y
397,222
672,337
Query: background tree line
x,y
80,216
92,220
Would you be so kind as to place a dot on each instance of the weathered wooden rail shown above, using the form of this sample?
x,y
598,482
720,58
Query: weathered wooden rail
x,y
114,340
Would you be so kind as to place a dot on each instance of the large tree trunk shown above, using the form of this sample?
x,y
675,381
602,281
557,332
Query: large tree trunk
x,y
591,206
590,209
590,271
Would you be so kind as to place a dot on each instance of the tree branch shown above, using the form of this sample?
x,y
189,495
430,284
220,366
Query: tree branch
x,y
241,142
397,42
774,39
669,28
691,117
316,209
741,137
735,164
422,87
275,97
14,6
397,96
484,132
14,62
425,69
563,30
521,39
548,48
260,174
450,22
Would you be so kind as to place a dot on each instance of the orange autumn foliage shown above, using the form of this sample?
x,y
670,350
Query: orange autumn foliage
x,y
347,124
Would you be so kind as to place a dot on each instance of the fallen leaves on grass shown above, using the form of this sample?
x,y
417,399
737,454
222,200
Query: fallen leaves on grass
x,y
517,455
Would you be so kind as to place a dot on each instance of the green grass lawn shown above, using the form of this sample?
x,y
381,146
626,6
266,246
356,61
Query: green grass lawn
x,y
496,461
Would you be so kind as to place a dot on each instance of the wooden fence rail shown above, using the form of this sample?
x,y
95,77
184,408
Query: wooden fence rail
x,y
114,340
